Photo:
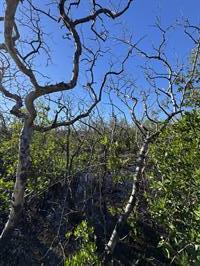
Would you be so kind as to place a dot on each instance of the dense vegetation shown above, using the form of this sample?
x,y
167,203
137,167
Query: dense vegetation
x,y
95,167
99,134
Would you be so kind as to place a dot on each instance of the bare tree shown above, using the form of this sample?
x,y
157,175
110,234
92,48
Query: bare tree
x,y
160,106
20,79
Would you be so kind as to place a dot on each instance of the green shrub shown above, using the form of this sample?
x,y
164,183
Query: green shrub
x,y
86,255
175,183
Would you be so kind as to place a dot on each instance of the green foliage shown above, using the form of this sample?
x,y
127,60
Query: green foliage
x,y
5,190
47,157
8,165
48,160
59,153
173,195
114,153
86,255
175,183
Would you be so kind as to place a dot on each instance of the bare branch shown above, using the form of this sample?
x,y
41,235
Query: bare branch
x,y
103,11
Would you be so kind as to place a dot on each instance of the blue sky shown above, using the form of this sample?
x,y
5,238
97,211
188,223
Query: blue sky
x,y
139,21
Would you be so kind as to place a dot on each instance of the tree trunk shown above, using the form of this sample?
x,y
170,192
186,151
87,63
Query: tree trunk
x,y
21,178
131,202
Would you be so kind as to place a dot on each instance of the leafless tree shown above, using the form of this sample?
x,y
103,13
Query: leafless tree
x,y
161,104
23,82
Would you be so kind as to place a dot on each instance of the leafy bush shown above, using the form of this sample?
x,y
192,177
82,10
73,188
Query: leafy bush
x,y
48,162
175,183
86,255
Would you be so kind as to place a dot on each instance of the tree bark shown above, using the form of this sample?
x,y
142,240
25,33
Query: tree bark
x,y
21,178
132,199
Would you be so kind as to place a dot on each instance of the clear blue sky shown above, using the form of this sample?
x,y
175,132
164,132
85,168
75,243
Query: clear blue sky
x,y
138,21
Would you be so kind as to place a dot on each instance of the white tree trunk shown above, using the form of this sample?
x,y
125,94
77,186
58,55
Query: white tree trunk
x,y
132,199
21,178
